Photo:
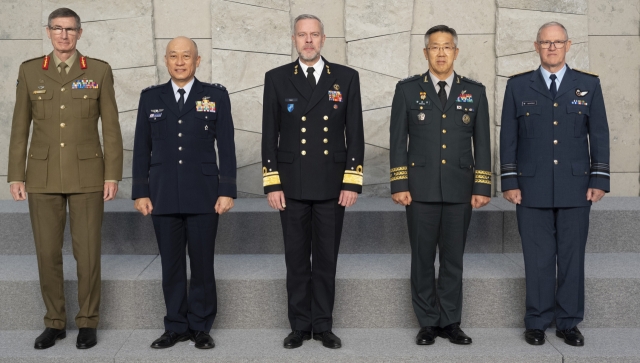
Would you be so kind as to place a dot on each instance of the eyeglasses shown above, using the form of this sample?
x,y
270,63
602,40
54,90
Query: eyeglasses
x,y
446,49
58,30
546,44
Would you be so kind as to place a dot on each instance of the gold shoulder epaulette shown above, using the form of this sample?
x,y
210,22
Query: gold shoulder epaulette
x,y
29,60
521,73
585,72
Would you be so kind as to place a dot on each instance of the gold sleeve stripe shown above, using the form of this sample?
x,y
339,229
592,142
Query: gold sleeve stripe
x,y
270,174
400,168
352,177
401,177
271,179
399,173
483,172
481,181
352,172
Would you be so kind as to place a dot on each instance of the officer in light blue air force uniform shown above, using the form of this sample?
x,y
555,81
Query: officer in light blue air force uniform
x,y
554,150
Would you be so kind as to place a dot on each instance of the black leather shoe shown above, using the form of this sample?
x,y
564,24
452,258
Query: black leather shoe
x,y
534,336
295,339
48,338
202,339
169,339
427,335
329,339
571,336
86,338
454,334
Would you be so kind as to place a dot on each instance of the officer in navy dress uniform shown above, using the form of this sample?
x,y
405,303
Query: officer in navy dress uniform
x,y
312,156
554,150
177,181
439,176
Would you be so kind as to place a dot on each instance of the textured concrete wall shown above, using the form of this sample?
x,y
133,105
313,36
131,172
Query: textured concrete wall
x,y
240,40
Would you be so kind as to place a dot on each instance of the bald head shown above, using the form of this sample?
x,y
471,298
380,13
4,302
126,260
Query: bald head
x,y
182,59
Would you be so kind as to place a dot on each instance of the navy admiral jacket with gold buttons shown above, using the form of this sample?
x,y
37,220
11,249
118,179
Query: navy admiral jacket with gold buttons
x,y
553,150
438,164
312,139
174,156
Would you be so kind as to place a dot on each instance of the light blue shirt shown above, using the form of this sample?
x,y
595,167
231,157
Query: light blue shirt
x,y
186,88
559,74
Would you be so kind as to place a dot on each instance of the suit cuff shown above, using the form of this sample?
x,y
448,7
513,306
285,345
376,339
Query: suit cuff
x,y
111,181
15,182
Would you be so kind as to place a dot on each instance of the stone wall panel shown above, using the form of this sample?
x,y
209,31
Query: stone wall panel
x,y
24,26
553,6
269,4
123,43
376,165
614,17
516,29
203,73
168,19
128,84
577,57
376,89
246,108
367,19
249,180
331,12
235,27
625,185
128,128
90,11
376,127
240,71
387,54
466,17
248,148
616,60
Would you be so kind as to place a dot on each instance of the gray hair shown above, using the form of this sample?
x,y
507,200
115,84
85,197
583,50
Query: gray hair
x,y
441,28
64,13
552,23
306,16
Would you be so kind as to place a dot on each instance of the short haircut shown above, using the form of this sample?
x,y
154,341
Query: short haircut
x,y
64,13
306,16
441,28
552,23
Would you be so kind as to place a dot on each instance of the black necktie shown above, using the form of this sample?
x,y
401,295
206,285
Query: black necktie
x,y
442,94
553,88
181,99
311,78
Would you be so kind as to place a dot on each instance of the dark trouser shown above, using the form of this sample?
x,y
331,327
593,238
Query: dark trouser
x,y
48,218
311,226
443,225
174,232
554,238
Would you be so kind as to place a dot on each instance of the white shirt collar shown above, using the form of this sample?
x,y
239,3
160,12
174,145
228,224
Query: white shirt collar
x,y
186,88
317,68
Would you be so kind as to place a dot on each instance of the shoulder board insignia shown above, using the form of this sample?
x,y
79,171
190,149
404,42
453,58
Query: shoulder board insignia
x,y
217,85
29,60
521,73
83,62
152,87
45,62
585,72
470,80
410,78
99,60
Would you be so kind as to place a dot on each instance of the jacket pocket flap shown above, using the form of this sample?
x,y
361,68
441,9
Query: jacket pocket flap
x,y
285,157
41,96
206,116
89,151
86,93
526,169
528,110
426,106
417,160
340,157
580,168
579,109
40,152
466,162
209,169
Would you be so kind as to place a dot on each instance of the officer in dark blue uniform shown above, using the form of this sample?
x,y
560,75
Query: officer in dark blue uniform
x,y
177,181
312,156
554,150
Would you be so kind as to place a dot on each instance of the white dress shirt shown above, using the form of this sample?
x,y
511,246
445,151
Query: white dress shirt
x,y
317,69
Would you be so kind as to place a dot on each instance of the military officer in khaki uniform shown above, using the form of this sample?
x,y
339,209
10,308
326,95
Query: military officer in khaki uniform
x,y
64,93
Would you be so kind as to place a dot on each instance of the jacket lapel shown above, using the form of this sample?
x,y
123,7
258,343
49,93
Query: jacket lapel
x,y
169,99
538,84
430,88
569,82
322,88
52,72
194,94
74,72
300,81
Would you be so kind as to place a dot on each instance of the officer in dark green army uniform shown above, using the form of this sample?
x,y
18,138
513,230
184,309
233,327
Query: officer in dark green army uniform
x,y
440,169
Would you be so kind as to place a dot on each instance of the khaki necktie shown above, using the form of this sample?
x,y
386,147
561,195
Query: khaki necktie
x,y
63,66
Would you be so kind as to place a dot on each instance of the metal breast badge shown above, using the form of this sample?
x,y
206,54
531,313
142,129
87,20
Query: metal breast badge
x,y
421,116
466,118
